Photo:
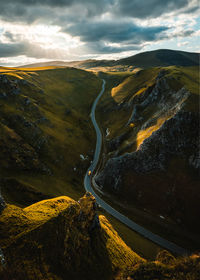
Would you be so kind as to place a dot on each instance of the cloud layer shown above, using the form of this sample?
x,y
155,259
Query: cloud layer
x,y
98,27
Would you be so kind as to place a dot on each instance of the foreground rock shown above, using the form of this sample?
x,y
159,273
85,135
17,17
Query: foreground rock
x,y
61,239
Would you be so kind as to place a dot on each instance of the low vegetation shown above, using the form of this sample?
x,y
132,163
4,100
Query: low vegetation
x,y
45,128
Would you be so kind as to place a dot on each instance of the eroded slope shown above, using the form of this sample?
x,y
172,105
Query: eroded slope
x,y
151,150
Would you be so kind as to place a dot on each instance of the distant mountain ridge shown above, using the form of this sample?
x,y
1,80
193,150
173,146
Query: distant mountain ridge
x,y
161,57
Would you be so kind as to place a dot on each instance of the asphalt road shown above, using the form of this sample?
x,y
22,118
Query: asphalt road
x,y
88,187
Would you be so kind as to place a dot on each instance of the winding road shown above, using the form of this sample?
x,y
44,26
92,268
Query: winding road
x,y
88,187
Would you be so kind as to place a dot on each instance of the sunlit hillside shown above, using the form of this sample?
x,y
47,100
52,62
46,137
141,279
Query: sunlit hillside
x,y
60,237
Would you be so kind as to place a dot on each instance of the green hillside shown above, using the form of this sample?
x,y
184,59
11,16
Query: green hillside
x,y
161,58
47,139
157,58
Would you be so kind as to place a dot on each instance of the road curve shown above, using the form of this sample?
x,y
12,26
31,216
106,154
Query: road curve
x,y
88,187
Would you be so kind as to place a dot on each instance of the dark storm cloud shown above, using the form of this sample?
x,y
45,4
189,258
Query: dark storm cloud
x,y
149,8
101,47
55,3
31,10
113,32
9,50
25,48
86,19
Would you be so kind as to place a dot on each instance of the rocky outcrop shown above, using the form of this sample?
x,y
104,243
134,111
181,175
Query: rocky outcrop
x,y
161,95
57,239
11,86
2,203
165,267
146,176
2,259
177,136
88,212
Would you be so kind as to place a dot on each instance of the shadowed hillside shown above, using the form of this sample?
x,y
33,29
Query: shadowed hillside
x,y
151,161
46,136
161,58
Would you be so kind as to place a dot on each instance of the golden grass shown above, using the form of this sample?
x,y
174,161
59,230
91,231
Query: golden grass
x,y
27,233
146,133
135,84
17,221
46,209
122,256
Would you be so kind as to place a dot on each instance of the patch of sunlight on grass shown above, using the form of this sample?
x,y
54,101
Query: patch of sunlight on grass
x,y
119,252
140,91
144,134
13,74
46,209
132,125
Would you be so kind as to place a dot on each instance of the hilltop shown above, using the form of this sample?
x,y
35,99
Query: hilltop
x,y
162,57
61,239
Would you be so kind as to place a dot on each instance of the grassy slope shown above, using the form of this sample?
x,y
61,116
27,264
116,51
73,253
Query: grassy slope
x,y
57,113
64,225
115,117
33,186
161,57
135,84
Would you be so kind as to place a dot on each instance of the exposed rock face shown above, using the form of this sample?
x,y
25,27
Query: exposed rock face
x,y
55,239
12,87
160,95
2,259
2,203
88,212
22,140
177,138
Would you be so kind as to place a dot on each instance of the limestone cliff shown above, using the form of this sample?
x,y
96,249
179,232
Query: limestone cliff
x,y
154,162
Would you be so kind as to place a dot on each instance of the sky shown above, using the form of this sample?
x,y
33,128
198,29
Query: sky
x,y
43,30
